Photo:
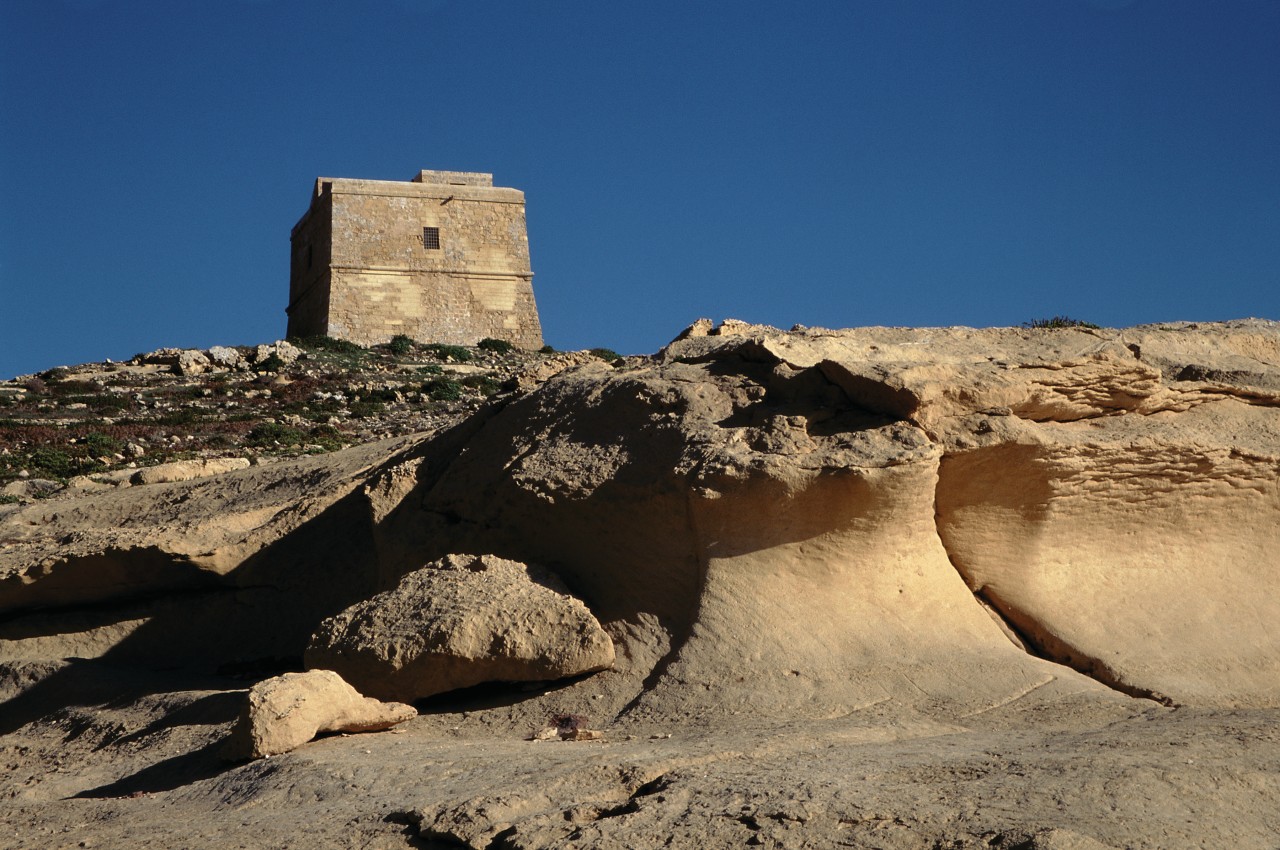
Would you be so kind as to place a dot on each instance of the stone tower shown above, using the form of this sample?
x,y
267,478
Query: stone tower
x,y
442,258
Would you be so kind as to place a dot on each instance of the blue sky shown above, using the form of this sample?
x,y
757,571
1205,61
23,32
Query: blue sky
x,y
900,162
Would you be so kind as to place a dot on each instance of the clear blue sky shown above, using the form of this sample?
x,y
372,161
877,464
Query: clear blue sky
x,y
903,162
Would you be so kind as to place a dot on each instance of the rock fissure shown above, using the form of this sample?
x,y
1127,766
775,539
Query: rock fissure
x,y
1034,637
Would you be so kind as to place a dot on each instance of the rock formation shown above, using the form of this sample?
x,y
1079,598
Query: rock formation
x,y
461,621
283,713
881,587
804,518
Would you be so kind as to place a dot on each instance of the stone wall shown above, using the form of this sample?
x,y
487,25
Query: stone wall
x,y
372,275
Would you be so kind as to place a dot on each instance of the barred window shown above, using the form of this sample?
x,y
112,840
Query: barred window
x,y
431,238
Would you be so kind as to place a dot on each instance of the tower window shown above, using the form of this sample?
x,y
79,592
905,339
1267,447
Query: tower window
x,y
431,238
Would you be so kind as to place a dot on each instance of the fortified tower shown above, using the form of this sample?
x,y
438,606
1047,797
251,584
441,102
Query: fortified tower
x,y
442,258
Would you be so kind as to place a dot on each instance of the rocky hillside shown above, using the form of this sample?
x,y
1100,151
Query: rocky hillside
x,y
76,428
879,587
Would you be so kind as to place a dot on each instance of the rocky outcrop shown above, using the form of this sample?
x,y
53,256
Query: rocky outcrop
x,y
461,621
186,470
805,518
942,520
875,587
219,569
286,712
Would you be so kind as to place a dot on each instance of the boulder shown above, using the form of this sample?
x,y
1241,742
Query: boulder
x,y
286,351
30,488
192,362
286,712
461,621
226,357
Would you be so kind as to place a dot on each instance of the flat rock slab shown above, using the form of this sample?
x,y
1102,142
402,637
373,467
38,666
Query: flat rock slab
x,y
460,621
187,470
287,711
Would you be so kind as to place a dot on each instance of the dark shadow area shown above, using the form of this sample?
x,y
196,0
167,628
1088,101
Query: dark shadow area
x,y
258,619
213,709
492,695
175,772
412,823
79,581
827,405
86,682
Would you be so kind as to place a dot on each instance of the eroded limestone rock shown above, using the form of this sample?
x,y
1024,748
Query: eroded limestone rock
x,y
461,621
285,712
187,470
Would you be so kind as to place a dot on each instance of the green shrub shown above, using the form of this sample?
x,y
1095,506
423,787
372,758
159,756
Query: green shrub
x,y
179,418
366,409
383,394
449,352
1059,322
46,462
270,363
66,389
56,374
327,343
9,500
486,384
100,445
400,344
271,433
326,437
429,369
606,354
497,346
547,349
443,389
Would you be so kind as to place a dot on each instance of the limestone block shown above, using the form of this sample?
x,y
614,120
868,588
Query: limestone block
x,y
286,712
227,358
458,622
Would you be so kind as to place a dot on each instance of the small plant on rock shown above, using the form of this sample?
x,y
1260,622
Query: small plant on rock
x,y
270,363
497,346
326,343
486,384
1059,322
606,354
449,352
100,445
443,389
400,345
327,437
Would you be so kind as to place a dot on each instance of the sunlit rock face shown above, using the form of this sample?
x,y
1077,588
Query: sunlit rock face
x,y
818,520
937,521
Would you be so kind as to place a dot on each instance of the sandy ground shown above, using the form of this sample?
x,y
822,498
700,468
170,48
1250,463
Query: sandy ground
x,y
101,756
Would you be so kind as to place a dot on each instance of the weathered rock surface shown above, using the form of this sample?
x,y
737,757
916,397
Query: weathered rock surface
x,y
286,712
286,352
460,621
804,518
186,470
881,587
219,569
226,357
